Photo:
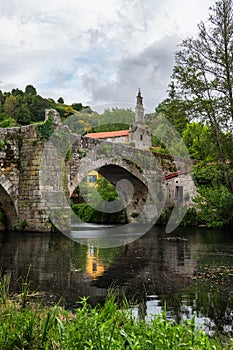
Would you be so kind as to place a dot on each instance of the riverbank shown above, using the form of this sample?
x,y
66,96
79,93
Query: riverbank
x,y
30,325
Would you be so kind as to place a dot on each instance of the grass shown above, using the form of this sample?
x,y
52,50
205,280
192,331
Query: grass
x,y
32,326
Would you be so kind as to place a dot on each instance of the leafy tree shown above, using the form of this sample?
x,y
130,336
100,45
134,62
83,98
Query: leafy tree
x,y
106,190
60,100
174,109
30,90
77,106
10,106
23,115
2,98
37,105
215,206
203,76
17,92
199,141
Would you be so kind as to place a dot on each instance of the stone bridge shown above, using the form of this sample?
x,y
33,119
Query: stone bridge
x,y
38,174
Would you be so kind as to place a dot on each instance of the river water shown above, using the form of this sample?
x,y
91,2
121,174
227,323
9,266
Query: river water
x,y
190,271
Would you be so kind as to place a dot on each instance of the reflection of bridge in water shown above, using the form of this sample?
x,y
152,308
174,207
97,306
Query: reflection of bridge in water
x,y
62,268
154,269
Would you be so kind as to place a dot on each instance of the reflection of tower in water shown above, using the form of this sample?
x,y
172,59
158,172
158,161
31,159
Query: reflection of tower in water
x,y
94,266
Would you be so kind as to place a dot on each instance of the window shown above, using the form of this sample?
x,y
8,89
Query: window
x,y
141,137
94,267
91,178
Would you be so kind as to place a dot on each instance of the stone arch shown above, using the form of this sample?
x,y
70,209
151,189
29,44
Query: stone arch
x,y
114,173
7,193
134,202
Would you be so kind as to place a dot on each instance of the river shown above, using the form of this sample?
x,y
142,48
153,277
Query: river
x,y
190,272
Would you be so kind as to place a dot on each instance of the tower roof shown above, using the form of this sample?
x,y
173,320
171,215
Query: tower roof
x,y
139,97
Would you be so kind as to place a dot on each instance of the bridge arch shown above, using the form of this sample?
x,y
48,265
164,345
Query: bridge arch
x,y
133,190
7,193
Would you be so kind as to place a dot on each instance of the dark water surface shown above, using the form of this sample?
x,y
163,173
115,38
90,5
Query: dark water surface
x,y
190,271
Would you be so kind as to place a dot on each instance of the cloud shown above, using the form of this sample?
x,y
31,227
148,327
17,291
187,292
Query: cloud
x,y
93,51
150,70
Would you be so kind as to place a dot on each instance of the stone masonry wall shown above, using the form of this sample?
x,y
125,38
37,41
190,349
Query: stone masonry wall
x,y
21,168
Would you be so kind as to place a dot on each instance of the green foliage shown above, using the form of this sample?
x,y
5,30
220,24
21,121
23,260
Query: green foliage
x,y
88,214
8,123
10,106
208,174
2,144
215,205
77,106
22,108
111,127
61,110
68,110
16,92
45,130
200,142
117,115
101,327
191,218
106,190
174,109
203,76
60,100
134,214
102,193
30,90
20,226
37,105
23,115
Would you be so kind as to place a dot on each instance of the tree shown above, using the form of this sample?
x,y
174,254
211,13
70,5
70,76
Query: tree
x,y
37,106
30,90
215,206
77,106
10,106
23,115
60,100
174,109
17,92
203,76
198,140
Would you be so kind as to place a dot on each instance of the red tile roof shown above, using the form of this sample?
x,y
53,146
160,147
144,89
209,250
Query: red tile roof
x,y
107,134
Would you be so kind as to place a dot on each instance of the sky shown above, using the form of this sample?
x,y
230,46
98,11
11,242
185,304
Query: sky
x,y
95,52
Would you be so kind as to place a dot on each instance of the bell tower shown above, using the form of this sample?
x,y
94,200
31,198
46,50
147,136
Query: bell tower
x,y
139,110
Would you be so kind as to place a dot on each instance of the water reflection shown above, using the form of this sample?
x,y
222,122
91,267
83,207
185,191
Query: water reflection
x,y
189,271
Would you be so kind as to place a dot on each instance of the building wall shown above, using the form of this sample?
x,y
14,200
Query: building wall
x,y
140,137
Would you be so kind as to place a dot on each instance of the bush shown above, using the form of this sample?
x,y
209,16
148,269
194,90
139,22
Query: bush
x,y
88,214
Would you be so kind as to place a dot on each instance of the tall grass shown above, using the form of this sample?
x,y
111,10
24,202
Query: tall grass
x,y
109,327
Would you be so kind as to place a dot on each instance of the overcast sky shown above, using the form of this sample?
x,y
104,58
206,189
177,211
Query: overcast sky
x,y
95,52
